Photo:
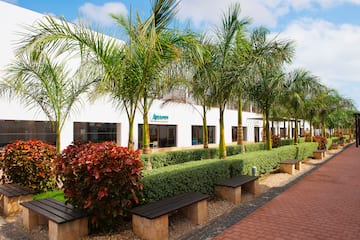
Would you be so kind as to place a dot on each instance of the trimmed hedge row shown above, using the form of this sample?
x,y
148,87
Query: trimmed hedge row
x,y
163,159
171,180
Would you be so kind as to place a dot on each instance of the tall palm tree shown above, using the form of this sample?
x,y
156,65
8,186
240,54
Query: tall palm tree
x,y
269,56
40,82
223,83
299,84
154,47
238,69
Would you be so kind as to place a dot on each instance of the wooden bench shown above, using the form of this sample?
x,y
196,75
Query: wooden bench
x,y
11,195
230,189
151,221
319,154
65,222
289,166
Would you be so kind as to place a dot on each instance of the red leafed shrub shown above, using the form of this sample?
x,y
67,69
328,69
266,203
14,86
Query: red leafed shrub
x,y
322,141
102,178
29,163
276,141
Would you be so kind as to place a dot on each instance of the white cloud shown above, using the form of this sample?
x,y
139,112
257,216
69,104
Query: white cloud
x,y
101,14
329,51
263,12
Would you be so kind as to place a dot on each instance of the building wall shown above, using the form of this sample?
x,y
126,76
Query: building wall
x,y
183,116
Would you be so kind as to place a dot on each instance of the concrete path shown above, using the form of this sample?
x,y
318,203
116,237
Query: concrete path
x,y
323,205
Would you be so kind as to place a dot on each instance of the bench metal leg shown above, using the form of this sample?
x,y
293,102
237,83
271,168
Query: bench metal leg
x,y
10,205
151,229
32,219
228,193
72,230
196,212
252,187
287,168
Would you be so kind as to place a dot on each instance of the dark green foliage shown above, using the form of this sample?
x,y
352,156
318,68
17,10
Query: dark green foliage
x,y
198,176
253,147
102,178
29,163
162,159
201,175
233,150
285,142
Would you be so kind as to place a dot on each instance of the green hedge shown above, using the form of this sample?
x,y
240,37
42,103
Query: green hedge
x,y
200,176
254,147
286,142
162,159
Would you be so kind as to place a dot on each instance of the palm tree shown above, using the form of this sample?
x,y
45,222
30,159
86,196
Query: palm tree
x,y
238,69
299,84
40,82
154,47
223,82
266,66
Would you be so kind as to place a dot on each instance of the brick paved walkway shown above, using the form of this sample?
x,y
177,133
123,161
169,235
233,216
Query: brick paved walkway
x,y
323,205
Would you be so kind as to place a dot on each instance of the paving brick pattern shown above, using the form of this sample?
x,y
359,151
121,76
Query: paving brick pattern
x,y
323,205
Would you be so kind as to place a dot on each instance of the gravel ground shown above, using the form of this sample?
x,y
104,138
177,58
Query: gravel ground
x,y
222,214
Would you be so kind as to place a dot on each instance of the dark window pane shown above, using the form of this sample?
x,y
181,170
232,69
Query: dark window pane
x,y
11,130
94,132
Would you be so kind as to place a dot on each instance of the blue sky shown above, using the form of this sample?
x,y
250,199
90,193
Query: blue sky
x,y
326,32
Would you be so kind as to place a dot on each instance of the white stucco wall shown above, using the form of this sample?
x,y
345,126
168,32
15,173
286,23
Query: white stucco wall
x,y
184,116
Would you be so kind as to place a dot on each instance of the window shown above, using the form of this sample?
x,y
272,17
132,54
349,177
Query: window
x,y
197,135
283,132
160,135
234,134
11,130
94,132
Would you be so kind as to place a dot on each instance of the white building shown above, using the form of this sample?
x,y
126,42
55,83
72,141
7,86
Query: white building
x,y
172,125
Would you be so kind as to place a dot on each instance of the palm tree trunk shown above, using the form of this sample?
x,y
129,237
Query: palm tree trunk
x,y
296,131
311,130
131,134
58,138
268,136
289,129
146,135
205,129
222,146
240,131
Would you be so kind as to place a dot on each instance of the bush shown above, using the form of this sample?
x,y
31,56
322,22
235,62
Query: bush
x,y
253,147
276,141
176,179
197,176
285,142
322,142
29,163
102,178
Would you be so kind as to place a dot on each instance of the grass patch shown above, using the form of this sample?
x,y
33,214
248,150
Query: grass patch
x,y
58,195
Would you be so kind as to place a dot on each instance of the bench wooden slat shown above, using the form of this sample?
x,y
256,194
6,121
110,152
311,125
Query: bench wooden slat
x,y
54,210
290,161
65,208
165,206
14,190
237,181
